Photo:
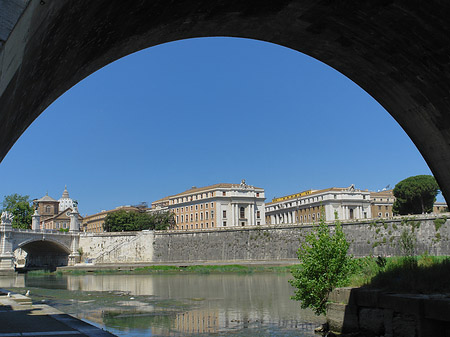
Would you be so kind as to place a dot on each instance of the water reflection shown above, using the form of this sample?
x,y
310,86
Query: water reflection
x,y
142,305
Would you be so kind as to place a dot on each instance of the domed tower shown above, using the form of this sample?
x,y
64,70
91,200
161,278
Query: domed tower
x,y
65,201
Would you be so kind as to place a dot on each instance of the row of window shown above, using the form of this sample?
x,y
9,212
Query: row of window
x,y
385,207
192,207
191,226
192,198
241,213
185,218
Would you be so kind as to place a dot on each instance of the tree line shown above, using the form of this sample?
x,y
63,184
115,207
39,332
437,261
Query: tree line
x,y
125,221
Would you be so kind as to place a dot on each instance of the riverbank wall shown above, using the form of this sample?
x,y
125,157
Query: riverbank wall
x,y
262,243
376,313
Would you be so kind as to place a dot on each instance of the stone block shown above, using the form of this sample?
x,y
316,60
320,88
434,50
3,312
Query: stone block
x,y
342,295
367,297
409,304
342,318
371,320
437,309
404,325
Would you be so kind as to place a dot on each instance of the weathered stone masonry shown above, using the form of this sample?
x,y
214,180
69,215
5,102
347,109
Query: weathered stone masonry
x,y
379,237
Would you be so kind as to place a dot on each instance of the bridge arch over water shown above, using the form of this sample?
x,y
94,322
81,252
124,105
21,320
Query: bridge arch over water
x,y
45,253
396,50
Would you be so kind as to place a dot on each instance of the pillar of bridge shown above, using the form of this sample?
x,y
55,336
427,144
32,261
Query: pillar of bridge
x,y
6,252
74,256
35,221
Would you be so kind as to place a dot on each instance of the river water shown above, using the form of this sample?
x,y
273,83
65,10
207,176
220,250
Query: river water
x,y
256,304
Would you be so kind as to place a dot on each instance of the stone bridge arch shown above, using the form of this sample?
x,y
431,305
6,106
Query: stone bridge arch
x,y
396,50
45,253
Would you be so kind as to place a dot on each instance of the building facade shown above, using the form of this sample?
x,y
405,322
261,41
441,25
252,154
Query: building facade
x,y
381,204
306,207
55,214
215,206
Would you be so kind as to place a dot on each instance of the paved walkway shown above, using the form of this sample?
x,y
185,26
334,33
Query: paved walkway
x,y
19,317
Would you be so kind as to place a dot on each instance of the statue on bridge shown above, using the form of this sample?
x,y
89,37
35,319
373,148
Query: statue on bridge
x,y
7,218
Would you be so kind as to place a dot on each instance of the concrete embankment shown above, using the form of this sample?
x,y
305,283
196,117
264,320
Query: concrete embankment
x,y
20,317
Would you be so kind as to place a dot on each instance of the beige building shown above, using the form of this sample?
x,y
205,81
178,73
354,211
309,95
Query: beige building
x,y
215,206
382,202
306,207
347,203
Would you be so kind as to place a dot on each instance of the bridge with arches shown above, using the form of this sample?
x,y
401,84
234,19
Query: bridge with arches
x,y
46,249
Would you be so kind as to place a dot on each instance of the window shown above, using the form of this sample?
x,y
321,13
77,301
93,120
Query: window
x,y
212,223
224,214
201,206
212,214
177,218
206,215
187,208
379,215
196,216
201,225
182,218
242,213
192,226
201,216
258,214
192,217
196,207
206,205
258,223
379,208
196,225
387,215
206,225
224,224
192,207
242,223
212,205
365,215
181,227
224,193
257,194
48,209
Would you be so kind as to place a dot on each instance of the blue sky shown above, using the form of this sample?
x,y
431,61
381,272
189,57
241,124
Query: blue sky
x,y
202,111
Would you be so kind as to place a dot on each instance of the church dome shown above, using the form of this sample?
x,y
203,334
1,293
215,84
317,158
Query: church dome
x,y
65,202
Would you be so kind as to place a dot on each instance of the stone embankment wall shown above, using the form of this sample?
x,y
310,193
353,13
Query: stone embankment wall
x,y
280,243
378,237
129,247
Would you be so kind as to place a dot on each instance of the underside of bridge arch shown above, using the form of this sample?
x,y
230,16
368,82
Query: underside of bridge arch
x,y
397,50
45,255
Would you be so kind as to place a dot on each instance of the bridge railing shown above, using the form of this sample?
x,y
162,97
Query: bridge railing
x,y
49,231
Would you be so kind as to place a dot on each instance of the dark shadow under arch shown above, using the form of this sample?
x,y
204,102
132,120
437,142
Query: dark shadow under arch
x,y
398,51
45,255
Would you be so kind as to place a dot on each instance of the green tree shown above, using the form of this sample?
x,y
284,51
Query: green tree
x,y
324,266
21,209
122,220
415,195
